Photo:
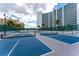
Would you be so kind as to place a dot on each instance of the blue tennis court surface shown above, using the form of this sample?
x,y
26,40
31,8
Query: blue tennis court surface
x,y
26,46
6,46
64,38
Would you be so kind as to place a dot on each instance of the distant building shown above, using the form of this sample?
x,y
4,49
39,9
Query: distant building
x,y
39,19
54,17
71,14
45,20
50,19
67,13
58,14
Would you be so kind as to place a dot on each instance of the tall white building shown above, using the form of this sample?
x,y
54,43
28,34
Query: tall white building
x,y
50,20
67,13
47,19
58,14
39,19
44,20
71,14
54,17
78,16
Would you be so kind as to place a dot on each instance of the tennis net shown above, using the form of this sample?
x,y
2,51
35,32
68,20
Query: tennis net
x,y
18,35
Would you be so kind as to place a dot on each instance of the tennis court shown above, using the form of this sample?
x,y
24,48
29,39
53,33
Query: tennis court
x,y
64,38
22,46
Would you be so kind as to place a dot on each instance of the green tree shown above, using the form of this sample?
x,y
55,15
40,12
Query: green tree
x,y
57,21
43,25
18,26
10,23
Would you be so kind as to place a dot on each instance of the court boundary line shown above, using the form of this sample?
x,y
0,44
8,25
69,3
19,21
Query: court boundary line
x,y
53,50
75,43
46,54
13,47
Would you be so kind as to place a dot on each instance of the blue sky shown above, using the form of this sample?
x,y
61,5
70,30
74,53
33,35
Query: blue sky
x,y
59,5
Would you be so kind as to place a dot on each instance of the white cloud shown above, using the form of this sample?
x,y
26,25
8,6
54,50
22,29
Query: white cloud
x,y
1,15
19,4
26,11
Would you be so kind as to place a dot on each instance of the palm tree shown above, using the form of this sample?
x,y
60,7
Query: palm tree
x,y
57,23
38,26
43,25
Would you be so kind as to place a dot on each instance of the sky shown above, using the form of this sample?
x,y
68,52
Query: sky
x,y
25,12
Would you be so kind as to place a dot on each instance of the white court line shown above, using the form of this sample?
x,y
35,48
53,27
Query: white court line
x,y
75,43
53,50
14,47
46,54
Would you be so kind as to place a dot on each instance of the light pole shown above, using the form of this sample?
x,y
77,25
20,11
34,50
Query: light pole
x,y
4,24
18,23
